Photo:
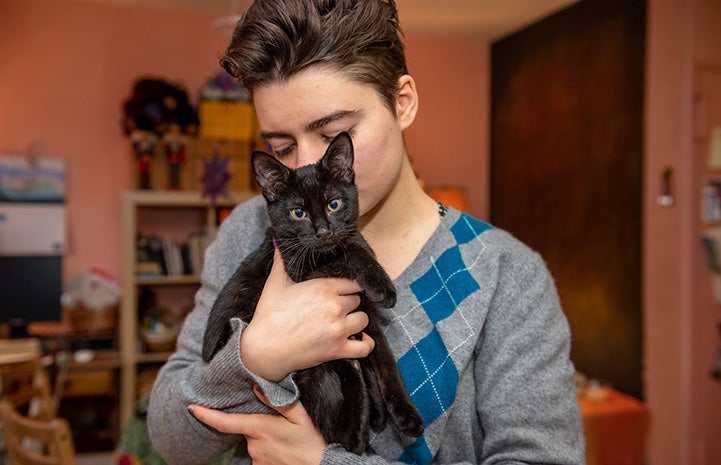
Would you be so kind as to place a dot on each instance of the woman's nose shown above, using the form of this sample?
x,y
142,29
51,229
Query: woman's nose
x,y
309,153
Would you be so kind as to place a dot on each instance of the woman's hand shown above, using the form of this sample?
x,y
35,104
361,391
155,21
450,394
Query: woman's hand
x,y
286,439
301,325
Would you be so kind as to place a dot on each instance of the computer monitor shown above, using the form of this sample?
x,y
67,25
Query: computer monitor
x,y
30,288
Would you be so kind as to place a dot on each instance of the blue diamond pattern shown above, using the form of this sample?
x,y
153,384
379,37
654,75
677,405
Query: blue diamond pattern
x,y
417,453
468,228
444,286
434,373
427,367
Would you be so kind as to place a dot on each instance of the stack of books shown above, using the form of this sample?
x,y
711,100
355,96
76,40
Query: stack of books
x,y
158,256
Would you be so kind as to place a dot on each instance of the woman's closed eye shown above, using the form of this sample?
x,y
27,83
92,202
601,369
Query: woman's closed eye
x,y
328,138
283,152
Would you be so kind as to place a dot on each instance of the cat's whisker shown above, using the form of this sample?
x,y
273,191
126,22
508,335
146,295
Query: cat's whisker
x,y
344,248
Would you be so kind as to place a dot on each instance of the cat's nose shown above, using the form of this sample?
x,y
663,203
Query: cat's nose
x,y
324,233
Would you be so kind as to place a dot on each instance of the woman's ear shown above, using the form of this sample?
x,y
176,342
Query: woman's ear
x,y
406,101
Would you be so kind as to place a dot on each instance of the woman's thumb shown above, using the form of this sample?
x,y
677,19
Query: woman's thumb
x,y
278,275
293,412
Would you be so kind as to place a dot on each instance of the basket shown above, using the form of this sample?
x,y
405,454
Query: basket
x,y
161,341
87,320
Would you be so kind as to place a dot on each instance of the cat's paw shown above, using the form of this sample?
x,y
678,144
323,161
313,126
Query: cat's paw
x,y
384,296
411,425
378,287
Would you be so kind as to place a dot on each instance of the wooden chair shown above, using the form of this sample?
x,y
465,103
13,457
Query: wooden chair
x,y
29,441
33,434
19,350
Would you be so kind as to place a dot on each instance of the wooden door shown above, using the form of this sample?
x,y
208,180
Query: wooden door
x,y
566,170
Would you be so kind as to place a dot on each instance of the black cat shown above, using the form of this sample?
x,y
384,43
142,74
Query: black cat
x,y
313,214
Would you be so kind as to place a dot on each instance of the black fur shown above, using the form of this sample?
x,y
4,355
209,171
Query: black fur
x,y
344,398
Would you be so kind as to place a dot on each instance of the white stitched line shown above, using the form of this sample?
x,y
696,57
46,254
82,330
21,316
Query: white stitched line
x,y
429,377
460,270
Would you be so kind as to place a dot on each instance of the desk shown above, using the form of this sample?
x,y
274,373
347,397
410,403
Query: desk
x,y
615,430
86,393
89,400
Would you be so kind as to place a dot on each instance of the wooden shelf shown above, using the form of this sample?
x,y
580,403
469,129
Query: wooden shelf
x,y
103,360
177,213
167,280
183,199
152,357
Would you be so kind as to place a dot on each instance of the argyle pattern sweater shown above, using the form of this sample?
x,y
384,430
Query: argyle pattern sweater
x,y
478,332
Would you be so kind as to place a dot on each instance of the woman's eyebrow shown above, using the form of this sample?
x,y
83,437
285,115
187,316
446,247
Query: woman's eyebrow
x,y
335,116
274,135
313,125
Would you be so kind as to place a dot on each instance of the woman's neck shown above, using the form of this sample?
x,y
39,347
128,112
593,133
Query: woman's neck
x,y
400,225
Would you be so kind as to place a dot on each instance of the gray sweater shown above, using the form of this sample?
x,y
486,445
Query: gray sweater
x,y
480,338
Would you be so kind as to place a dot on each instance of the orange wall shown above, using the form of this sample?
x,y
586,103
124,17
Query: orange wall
x,y
66,67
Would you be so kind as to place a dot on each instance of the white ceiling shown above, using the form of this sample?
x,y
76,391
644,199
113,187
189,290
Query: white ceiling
x,y
486,19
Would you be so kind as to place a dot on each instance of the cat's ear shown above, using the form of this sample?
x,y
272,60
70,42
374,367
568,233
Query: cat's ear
x,y
338,157
271,175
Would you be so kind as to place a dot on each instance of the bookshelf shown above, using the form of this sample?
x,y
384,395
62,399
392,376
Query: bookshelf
x,y
173,216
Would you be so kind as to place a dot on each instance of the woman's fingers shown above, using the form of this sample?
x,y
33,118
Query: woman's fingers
x,y
288,438
301,325
293,412
278,278
235,423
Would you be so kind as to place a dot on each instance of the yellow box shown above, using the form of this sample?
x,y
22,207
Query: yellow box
x,y
226,120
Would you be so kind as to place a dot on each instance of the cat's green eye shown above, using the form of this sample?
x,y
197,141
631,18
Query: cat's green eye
x,y
298,213
334,205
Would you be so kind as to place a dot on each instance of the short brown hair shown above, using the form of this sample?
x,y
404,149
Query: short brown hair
x,y
276,39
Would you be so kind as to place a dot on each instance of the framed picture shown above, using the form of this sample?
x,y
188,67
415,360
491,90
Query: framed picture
x,y
32,178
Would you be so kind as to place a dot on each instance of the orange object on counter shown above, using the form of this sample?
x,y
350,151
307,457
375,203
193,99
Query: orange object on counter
x,y
455,197
616,429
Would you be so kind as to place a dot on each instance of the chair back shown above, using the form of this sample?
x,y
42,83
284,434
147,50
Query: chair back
x,y
29,441
32,432
19,350
25,385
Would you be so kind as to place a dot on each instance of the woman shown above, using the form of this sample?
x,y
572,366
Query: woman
x,y
478,332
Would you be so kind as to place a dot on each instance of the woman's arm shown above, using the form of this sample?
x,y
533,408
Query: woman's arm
x,y
185,379
306,323
289,438
526,397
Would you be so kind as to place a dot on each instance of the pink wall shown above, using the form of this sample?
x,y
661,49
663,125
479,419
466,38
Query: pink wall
x,y
449,142
705,392
65,69
681,336
66,66
664,333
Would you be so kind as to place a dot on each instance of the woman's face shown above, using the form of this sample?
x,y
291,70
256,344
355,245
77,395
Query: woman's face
x,y
300,117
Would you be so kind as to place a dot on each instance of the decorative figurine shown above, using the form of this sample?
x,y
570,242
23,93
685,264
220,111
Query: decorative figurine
x,y
144,147
215,178
175,152
159,109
